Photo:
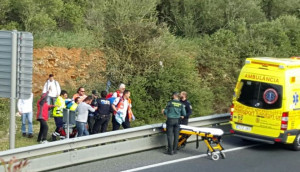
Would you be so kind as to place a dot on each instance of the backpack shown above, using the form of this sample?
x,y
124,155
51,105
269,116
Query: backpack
x,y
110,97
69,103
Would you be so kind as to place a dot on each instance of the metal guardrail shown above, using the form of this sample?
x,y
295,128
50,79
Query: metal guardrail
x,y
73,151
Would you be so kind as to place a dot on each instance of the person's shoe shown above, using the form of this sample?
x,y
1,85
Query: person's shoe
x,y
175,152
54,134
30,135
44,141
169,152
24,134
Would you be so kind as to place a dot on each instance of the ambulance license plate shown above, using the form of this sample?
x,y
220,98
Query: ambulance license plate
x,y
242,127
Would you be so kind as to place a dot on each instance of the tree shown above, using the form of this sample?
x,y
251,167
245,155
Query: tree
x,y
193,17
276,8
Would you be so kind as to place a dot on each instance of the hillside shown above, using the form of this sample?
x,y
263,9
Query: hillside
x,y
71,67
155,47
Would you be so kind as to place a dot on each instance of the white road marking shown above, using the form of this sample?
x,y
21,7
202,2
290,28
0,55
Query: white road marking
x,y
185,159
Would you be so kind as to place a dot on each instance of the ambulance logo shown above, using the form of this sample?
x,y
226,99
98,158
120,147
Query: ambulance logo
x,y
295,98
270,96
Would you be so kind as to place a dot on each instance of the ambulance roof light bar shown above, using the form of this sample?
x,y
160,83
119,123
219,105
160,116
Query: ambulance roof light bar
x,y
295,58
247,62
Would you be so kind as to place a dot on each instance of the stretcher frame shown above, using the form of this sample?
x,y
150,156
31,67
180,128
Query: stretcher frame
x,y
214,147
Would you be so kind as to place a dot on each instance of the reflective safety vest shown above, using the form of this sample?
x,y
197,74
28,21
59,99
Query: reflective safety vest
x,y
58,111
74,107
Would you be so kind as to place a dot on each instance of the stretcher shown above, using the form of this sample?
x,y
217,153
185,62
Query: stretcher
x,y
210,136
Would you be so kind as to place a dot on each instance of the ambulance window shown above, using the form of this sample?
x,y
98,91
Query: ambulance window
x,y
260,95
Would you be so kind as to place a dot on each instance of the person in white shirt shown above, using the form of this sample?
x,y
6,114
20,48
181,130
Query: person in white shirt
x,y
122,111
82,116
53,88
25,110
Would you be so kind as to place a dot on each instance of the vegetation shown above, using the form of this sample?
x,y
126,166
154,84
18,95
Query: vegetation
x,y
160,46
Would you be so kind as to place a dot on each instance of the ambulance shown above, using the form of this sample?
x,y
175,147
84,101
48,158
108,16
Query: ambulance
x,y
266,106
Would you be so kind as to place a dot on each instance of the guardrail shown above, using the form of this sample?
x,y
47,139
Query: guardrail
x,y
73,151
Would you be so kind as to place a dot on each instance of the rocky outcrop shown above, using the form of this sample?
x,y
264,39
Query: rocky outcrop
x,y
71,67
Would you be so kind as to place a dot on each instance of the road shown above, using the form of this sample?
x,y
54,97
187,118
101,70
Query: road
x,y
241,156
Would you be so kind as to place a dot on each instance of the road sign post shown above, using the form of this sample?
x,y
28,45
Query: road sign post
x,y
12,126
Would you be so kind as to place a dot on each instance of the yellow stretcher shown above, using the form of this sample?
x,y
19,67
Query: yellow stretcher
x,y
210,136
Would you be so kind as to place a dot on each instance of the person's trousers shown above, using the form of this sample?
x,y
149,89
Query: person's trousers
x,y
116,125
43,130
59,123
82,129
172,133
91,122
50,101
28,117
101,123
184,120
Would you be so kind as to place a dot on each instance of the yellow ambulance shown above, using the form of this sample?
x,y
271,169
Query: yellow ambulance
x,y
266,104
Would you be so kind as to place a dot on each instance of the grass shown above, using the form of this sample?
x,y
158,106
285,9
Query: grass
x,y
25,141
82,39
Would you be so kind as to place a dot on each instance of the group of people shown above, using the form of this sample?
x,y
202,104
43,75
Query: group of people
x,y
93,113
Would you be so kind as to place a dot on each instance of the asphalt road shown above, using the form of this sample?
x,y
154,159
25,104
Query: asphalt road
x,y
241,156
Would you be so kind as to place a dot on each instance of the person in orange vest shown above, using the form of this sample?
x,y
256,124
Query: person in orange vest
x,y
122,111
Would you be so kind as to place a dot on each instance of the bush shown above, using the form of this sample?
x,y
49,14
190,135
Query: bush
x,y
71,17
40,22
193,17
274,9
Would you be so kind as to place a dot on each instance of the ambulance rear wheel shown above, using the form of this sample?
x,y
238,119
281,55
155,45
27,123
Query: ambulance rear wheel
x,y
215,156
296,144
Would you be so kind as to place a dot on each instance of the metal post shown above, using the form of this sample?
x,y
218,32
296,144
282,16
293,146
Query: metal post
x,y
68,123
12,128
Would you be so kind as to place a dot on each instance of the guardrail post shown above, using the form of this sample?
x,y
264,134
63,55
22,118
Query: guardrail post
x,y
68,123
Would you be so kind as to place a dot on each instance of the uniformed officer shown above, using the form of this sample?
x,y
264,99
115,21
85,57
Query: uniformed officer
x,y
173,111
188,108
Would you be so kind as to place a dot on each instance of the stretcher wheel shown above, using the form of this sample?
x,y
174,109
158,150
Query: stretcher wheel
x,y
222,155
215,156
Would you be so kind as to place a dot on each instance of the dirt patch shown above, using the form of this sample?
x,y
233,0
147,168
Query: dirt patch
x,y
71,67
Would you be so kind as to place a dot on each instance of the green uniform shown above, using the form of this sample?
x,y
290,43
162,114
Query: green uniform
x,y
174,110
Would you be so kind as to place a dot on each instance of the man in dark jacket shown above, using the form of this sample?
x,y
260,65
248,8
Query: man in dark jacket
x,y
173,111
103,114
94,103
188,108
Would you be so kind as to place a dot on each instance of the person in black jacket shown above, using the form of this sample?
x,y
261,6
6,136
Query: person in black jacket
x,y
103,114
188,108
94,103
